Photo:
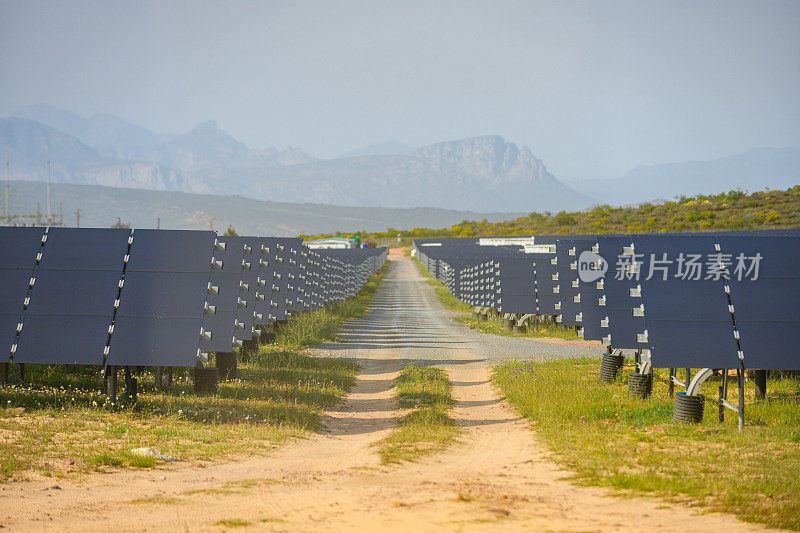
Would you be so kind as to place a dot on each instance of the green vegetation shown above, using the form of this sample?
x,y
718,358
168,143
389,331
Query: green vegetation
x,y
58,423
734,210
427,428
233,522
608,438
494,325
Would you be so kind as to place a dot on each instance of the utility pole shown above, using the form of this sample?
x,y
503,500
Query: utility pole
x,y
211,223
6,212
78,215
49,212
158,224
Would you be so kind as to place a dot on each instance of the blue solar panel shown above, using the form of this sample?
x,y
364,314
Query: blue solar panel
x,y
161,303
689,344
74,292
172,250
8,331
688,320
155,342
63,339
765,301
14,282
163,294
73,298
19,247
85,249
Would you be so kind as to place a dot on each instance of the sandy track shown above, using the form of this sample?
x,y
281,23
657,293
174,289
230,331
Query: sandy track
x,y
497,478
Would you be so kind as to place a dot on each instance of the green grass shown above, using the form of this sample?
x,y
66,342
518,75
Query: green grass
x,y
57,423
233,522
155,500
610,439
427,428
493,324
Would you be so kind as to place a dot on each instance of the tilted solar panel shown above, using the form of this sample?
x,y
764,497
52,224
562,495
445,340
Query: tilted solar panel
x,y
160,315
225,280
19,248
72,301
764,291
689,323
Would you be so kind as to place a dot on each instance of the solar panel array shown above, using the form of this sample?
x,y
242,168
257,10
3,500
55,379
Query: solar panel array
x,y
716,300
157,297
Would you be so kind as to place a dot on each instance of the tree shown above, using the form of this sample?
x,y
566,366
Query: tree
x,y
231,231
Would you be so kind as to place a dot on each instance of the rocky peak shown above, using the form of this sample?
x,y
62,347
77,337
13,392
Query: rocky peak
x,y
488,158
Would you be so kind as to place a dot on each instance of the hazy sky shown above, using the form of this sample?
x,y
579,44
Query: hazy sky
x,y
595,88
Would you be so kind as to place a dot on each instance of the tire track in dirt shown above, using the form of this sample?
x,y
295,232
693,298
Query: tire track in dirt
x,y
498,477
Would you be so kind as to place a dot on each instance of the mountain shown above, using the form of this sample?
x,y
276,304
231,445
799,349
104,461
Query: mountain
x,y
479,174
101,206
29,142
99,131
205,146
777,168
482,174
387,148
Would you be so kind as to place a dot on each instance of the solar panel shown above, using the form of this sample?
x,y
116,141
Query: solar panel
x,y
225,278
160,314
172,250
765,302
19,247
63,339
85,249
689,323
73,297
148,341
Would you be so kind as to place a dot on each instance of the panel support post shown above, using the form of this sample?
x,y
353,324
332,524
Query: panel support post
x,y
159,377
671,383
4,373
111,383
130,384
761,384
723,395
21,372
740,379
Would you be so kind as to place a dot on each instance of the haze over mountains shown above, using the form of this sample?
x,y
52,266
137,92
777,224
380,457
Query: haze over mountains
x,y
481,174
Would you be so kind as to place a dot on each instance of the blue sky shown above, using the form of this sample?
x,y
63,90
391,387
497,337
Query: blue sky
x,y
595,88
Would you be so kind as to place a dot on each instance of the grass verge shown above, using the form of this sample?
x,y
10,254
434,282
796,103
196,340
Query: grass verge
x,y
427,428
610,439
492,325
56,423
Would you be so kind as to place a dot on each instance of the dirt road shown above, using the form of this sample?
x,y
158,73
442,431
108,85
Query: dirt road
x,y
497,478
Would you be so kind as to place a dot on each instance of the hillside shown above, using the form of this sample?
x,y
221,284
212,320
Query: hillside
x,y
734,210
101,206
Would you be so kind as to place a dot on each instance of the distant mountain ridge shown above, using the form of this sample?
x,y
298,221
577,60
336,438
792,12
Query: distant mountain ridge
x,y
480,174
777,168
386,148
